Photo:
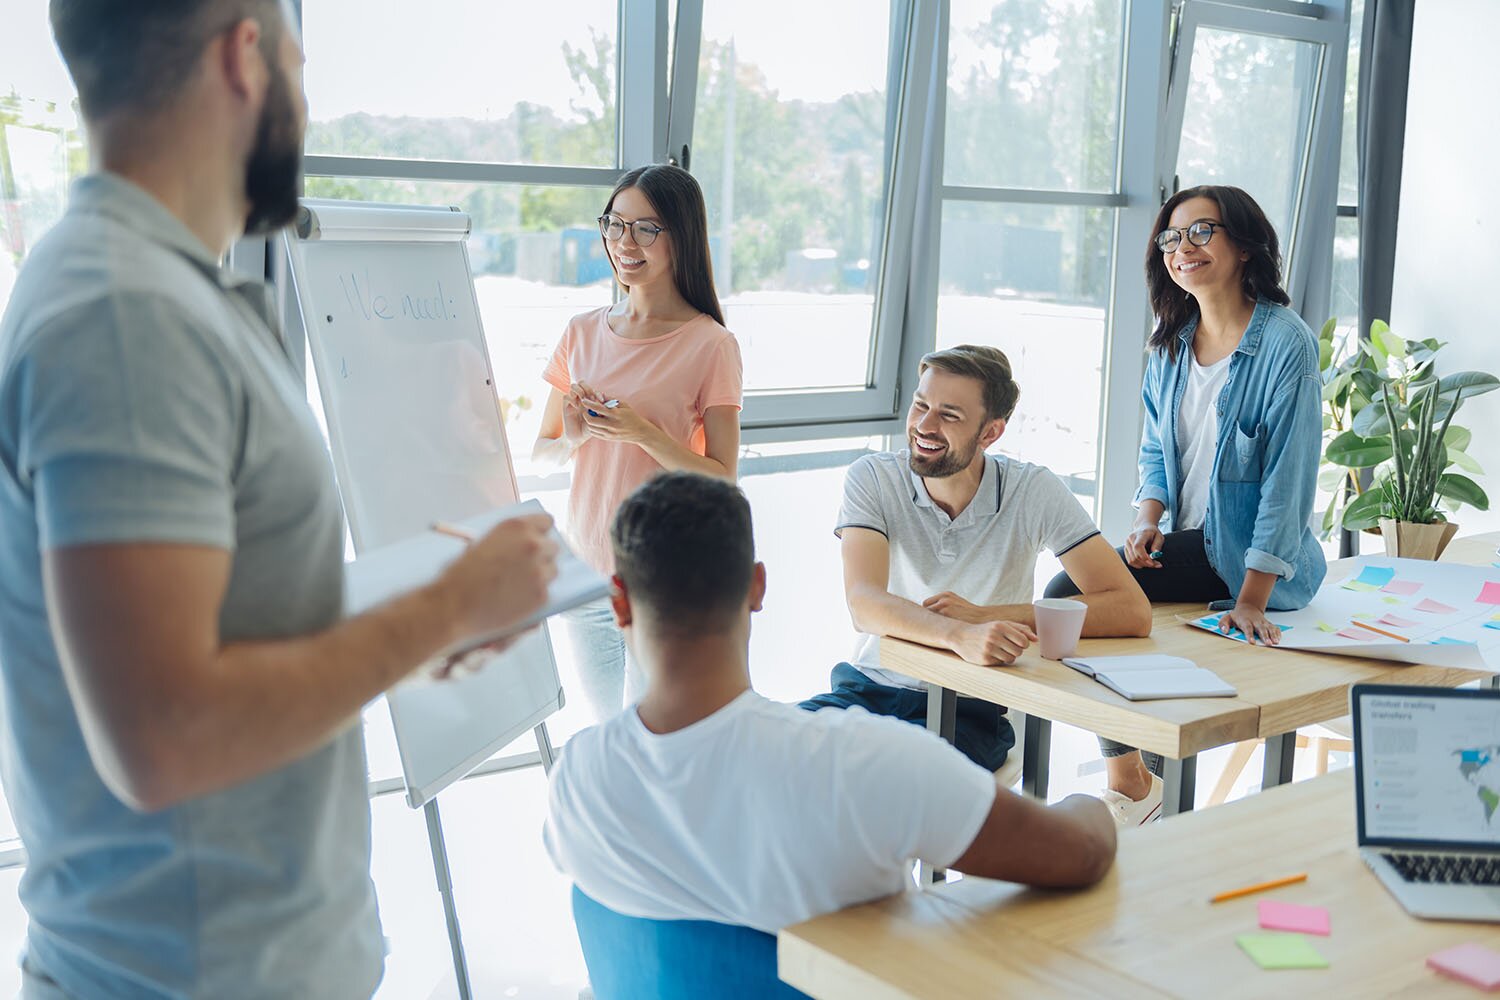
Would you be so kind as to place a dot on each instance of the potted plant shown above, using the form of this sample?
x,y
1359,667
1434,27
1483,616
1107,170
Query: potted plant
x,y
1386,410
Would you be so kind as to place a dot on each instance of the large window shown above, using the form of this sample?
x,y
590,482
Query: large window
x,y
1030,164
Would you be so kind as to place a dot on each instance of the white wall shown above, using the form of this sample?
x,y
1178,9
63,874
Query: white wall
x,y
1448,248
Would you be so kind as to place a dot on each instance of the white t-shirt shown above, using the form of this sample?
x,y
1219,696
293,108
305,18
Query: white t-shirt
x,y
1197,439
987,554
762,814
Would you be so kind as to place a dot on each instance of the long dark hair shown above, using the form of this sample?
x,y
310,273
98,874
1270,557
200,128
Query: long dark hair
x,y
678,201
1251,231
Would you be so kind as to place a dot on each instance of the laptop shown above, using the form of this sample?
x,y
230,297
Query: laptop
x,y
1427,787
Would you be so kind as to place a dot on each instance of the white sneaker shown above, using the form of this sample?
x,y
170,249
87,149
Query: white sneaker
x,y
1128,812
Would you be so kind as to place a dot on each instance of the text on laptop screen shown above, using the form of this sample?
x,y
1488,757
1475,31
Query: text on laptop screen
x,y
1431,768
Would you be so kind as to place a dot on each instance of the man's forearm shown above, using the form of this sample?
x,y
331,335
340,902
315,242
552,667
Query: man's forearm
x,y
884,613
266,703
1112,614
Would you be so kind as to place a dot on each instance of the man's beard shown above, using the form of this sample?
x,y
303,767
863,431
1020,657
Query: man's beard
x,y
949,463
273,174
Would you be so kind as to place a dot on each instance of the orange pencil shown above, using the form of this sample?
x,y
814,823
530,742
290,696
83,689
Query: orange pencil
x,y
1262,887
450,531
1382,631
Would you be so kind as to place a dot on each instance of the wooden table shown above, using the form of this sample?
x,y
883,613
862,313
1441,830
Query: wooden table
x,y
1148,929
1279,691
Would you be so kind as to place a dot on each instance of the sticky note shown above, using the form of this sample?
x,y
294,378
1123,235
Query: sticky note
x,y
1356,633
1446,641
1402,587
1360,586
1435,608
1377,576
1490,594
1325,627
1473,963
1277,950
1391,600
1494,624
1396,621
1276,916
1362,614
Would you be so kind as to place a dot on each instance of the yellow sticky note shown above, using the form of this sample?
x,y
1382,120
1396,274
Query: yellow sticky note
x,y
1276,950
1325,627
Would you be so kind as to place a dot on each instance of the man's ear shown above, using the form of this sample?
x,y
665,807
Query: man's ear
x,y
619,601
238,57
991,433
758,587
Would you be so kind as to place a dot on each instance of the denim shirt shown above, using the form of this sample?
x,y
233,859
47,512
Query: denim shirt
x,y
1265,469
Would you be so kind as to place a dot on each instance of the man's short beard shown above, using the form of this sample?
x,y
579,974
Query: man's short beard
x,y
949,463
273,173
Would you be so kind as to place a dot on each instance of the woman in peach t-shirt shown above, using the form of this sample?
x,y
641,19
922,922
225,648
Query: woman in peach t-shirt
x,y
650,383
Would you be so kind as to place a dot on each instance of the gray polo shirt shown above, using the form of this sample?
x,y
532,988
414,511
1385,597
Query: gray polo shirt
x,y
144,398
986,555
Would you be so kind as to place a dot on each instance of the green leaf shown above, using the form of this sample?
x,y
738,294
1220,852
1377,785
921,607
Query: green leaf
x,y
1464,461
1463,489
1325,354
1472,383
1457,437
1358,452
1391,344
1327,332
1377,327
1373,422
1327,421
1330,477
1364,511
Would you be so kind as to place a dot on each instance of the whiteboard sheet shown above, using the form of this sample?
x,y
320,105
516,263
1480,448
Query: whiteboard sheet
x,y
1449,614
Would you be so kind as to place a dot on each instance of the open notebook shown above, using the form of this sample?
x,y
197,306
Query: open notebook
x,y
1142,678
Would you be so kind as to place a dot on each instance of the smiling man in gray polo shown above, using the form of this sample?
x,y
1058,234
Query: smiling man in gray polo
x,y
940,541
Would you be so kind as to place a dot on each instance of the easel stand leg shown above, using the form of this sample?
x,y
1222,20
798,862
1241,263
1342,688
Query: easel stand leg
x,y
544,747
445,889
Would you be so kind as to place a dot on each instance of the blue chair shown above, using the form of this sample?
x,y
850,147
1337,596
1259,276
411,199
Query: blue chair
x,y
630,957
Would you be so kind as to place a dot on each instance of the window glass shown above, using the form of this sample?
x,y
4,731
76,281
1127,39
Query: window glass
x,y
1033,94
1231,73
470,82
1034,281
790,146
41,138
1349,146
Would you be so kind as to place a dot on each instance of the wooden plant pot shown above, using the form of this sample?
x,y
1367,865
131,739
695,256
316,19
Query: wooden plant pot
x,y
1416,541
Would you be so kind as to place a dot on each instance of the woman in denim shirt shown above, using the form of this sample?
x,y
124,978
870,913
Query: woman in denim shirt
x,y
1232,435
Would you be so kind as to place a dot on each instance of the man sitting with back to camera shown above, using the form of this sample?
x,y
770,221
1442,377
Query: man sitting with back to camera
x,y
706,801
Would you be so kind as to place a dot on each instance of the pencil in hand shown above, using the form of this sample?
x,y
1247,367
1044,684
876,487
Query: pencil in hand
x,y
452,531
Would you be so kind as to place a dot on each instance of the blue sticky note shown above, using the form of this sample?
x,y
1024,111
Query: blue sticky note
x,y
1493,625
1376,576
1445,641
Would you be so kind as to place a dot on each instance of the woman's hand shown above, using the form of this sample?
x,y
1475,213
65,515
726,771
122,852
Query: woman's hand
x,y
575,431
621,423
950,605
1253,622
1141,543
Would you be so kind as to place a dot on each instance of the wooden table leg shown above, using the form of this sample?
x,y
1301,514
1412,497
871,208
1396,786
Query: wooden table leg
x,y
1180,784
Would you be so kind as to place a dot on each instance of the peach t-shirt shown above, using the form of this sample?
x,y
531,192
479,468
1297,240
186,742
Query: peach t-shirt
x,y
670,380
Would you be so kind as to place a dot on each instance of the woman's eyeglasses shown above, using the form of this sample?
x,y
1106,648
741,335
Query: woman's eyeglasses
x,y
612,228
1198,234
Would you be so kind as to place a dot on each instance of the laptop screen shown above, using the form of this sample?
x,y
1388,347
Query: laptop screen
x,y
1427,766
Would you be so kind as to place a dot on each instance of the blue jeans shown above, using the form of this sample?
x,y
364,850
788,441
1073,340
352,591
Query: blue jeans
x,y
606,670
981,731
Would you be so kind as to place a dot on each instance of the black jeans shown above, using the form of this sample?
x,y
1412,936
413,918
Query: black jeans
x,y
1185,575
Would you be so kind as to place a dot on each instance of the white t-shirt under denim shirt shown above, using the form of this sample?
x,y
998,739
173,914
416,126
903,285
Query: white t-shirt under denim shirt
x,y
1198,438
762,814
986,555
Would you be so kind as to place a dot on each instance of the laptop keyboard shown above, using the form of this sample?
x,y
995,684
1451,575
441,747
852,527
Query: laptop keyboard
x,y
1456,869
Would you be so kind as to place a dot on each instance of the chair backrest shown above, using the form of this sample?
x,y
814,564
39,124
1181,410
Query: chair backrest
x,y
630,957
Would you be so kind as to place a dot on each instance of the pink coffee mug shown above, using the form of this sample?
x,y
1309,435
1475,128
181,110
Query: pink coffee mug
x,y
1059,623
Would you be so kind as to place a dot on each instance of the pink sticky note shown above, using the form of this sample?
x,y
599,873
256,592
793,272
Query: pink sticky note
x,y
1276,916
1473,963
1490,594
1396,621
1435,608
1355,633
1402,587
